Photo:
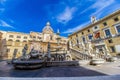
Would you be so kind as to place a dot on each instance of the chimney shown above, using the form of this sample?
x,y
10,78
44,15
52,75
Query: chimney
x,y
93,19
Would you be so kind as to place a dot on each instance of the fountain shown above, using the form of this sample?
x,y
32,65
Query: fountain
x,y
35,60
94,53
28,61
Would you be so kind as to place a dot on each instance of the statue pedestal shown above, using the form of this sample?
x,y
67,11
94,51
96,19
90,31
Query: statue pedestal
x,y
97,61
112,59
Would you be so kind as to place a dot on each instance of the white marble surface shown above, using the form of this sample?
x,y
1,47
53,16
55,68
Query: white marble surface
x,y
114,77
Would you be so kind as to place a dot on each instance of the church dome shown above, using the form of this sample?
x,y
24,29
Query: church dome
x,y
47,28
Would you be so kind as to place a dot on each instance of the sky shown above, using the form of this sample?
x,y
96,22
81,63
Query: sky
x,y
66,15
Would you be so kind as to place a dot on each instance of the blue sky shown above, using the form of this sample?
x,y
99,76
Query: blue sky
x,y
66,15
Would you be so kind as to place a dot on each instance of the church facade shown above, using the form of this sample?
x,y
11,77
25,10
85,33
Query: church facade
x,y
11,41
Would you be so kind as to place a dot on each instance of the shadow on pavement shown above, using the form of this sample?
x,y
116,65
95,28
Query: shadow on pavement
x,y
71,71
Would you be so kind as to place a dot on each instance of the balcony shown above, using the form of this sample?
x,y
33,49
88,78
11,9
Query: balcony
x,y
109,36
98,42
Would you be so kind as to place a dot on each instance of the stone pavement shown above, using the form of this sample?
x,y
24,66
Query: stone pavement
x,y
108,68
113,77
71,71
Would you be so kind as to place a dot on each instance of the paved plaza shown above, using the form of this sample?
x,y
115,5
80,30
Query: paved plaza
x,y
112,68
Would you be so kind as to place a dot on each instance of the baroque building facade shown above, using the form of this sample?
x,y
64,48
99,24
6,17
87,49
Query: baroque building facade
x,y
101,36
15,41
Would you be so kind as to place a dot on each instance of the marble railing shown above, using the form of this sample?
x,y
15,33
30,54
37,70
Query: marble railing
x,y
62,63
100,55
80,55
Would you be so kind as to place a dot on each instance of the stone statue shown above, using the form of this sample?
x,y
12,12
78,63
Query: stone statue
x,y
14,54
90,48
24,50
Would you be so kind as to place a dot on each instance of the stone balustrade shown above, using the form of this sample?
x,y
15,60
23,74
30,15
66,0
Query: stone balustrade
x,y
62,63
79,54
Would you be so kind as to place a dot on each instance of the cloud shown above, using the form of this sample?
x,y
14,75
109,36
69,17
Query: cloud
x,y
71,30
2,1
4,24
66,15
99,5
11,20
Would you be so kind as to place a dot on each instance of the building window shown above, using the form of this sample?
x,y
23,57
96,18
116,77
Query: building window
x,y
25,37
34,36
110,41
39,37
90,36
10,40
15,52
77,41
76,35
118,28
95,27
71,43
11,36
112,48
105,24
116,19
107,32
17,40
88,30
30,36
82,32
24,41
8,50
83,38
18,36
51,37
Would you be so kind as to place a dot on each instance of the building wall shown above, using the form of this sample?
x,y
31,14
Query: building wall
x,y
0,44
76,40
17,40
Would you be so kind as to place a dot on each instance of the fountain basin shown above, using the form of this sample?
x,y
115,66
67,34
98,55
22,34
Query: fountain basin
x,y
62,63
28,64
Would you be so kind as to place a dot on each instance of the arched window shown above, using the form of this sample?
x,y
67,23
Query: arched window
x,y
51,37
11,36
39,37
25,37
17,40
10,40
24,41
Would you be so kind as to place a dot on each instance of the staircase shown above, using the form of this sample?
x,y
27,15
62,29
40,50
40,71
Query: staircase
x,y
79,55
82,56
